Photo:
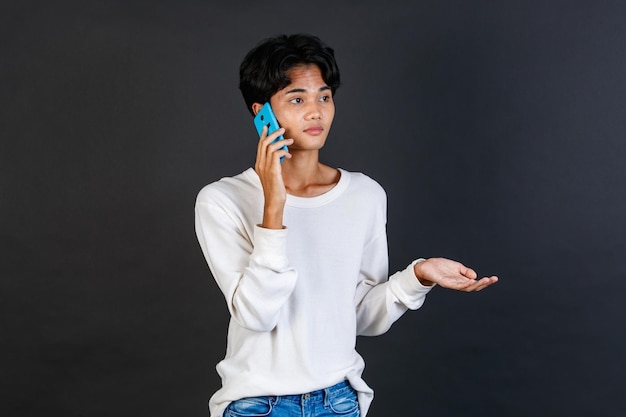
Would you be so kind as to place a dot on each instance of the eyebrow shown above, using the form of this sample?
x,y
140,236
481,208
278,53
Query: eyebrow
x,y
303,90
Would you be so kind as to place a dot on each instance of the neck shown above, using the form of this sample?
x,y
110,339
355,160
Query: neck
x,y
305,176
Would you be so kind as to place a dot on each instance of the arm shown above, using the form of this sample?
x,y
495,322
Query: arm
x,y
252,271
268,168
380,299
249,266
384,302
380,302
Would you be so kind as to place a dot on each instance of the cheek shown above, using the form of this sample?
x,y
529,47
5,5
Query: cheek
x,y
330,115
288,123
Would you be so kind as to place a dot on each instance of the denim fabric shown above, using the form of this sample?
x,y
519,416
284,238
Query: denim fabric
x,y
338,400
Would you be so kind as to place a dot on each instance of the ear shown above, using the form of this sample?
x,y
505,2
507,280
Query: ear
x,y
256,107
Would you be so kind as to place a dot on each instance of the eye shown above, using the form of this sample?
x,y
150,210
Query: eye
x,y
296,100
325,98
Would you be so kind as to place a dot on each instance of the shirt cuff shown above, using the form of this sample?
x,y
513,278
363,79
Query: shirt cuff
x,y
270,248
410,283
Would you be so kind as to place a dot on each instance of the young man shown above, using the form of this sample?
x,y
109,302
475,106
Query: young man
x,y
299,250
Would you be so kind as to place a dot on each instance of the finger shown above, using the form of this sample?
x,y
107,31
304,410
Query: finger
x,y
269,138
266,147
468,284
265,141
461,283
263,133
475,286
278,150
279,145
469,273
282,154
485,282
261,147
278,154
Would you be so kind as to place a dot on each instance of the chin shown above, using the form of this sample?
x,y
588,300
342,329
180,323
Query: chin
x,y
307,147
311,142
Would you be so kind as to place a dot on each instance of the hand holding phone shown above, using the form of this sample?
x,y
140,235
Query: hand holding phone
x,y
266,117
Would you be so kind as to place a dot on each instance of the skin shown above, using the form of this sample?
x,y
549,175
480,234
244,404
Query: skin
x,y
305,110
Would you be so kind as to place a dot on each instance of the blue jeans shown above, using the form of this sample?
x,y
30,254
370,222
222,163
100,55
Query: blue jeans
x,y
338,400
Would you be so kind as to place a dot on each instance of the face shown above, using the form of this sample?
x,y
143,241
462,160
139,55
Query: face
x,y
305,108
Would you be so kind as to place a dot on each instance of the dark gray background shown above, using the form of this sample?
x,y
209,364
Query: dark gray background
x,y
497,129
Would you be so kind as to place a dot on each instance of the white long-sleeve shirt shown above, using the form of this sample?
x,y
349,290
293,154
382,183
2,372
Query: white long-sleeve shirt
x,y
298,297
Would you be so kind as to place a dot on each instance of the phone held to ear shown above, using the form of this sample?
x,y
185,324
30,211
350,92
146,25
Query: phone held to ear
x,y
266,117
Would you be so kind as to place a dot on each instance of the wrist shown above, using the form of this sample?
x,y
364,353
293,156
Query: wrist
x,y
419,273
273,217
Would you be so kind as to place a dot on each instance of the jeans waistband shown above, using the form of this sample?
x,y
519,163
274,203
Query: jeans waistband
x,y
318,395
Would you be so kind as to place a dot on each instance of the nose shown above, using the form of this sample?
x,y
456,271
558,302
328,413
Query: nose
x,y
313,111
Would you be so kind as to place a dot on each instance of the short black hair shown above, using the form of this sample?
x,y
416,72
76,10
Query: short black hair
x,y
262,71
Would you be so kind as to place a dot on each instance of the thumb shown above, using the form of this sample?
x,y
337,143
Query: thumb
x,y
468,272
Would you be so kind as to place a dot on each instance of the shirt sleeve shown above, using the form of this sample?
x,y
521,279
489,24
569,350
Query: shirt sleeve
x,y
252,272
380,301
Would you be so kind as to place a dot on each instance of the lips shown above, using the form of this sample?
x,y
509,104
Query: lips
x,y
314,130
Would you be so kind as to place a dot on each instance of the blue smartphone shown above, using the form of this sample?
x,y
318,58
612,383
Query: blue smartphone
x,y
266,117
